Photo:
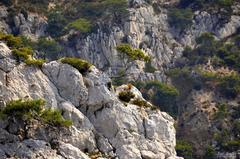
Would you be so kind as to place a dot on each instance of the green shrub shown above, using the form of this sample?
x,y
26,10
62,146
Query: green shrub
x,y
205,39
160,94
54,117
22,53
48,47
233,145
35,62
81,24
184,149
141,103
149,68
236,128
165,89
56,23
34,109
126,96
12,41
21,108
210,153
81,65
222,111
180,18
230,85
133,54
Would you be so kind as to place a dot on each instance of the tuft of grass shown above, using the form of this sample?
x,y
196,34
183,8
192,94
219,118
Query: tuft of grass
x,y
81,65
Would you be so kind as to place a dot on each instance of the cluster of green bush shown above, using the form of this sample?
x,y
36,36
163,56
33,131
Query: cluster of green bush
x,y
180,18
160,94
126,96
141,103
184,149
34,109
132,53
39,6
149,68
226,142
21,50
83,16
206,4
221,54
81,65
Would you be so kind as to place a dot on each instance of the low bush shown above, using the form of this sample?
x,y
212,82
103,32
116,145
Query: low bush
x,y
12,41
22,53
21,108
210,153
141,103
160,94
232,145
149,68
131,53
184,149
56,23
54,117
81,65
180,18
222,111
230,85
81,24
34,109
35,62
126,96
47,47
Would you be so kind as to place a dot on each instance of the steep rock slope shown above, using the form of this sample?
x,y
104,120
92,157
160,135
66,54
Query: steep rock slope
x,y
147,27
101,122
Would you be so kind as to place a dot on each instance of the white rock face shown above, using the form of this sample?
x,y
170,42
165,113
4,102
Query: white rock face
x,y
149,30
101,122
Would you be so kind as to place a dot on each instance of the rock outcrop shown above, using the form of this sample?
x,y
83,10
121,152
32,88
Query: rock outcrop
x,y
147,28
101,122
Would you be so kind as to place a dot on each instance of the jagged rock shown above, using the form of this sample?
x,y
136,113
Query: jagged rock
x,y
33,84
68,81
6,61
106,125
70,152
29,149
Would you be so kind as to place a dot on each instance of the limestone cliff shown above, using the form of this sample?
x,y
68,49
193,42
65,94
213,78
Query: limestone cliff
x,y
101,122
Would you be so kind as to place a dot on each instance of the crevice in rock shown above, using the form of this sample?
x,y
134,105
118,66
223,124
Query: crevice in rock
x,y
144,128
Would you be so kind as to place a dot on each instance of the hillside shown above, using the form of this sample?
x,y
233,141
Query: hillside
x,y
182,55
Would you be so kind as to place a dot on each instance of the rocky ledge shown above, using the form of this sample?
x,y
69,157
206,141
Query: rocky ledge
x,y
101,122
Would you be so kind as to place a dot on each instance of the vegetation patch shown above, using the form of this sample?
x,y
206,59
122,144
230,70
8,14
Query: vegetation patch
x,y
141,103
11,41
126,96
184,149
160,94
81,24
81,65
131,53
35,62
34,109
180,18
22,53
